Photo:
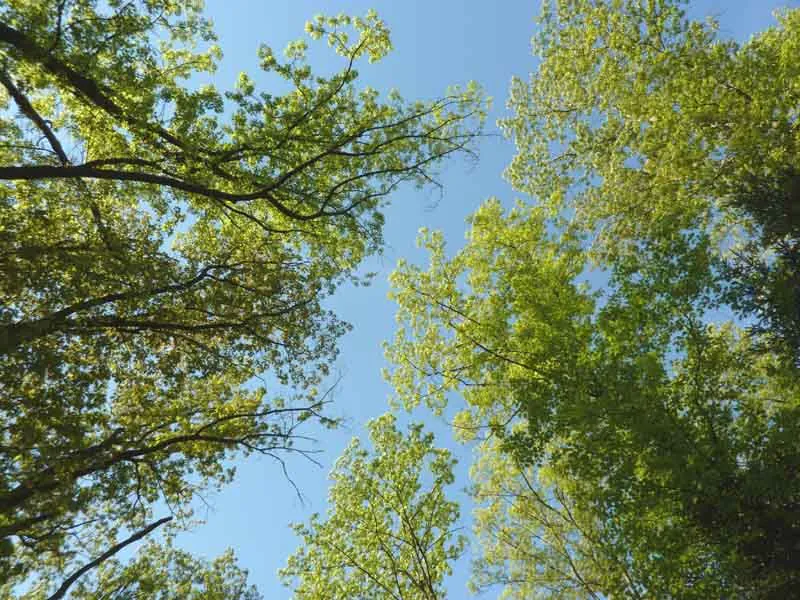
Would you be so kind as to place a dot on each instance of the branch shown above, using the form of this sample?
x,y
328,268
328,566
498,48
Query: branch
x,y
46,481
82,85
37,172
105,556
26,108
14,334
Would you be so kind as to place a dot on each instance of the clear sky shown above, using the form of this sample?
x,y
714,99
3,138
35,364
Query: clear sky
x,y
437,43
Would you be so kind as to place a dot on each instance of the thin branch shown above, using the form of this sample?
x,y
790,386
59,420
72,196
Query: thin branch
x,y
26,108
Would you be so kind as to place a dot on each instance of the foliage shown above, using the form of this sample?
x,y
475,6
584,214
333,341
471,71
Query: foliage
x,y
388,531
162,572
162,245
674,439
536,541
764,273
640,442
645,128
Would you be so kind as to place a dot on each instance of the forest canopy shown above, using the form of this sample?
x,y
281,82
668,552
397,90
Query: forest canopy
x,y
163,249
617,350
622,345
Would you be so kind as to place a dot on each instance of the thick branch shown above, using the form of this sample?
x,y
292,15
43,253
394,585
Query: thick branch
x,y
11,336
46,481
38,172
61,591
81,84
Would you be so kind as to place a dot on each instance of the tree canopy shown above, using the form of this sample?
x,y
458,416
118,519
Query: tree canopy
x,y
620,348
624,342
163,572
163,245
389,529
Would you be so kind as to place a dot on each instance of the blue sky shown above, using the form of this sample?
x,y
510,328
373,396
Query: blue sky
x,y
437,43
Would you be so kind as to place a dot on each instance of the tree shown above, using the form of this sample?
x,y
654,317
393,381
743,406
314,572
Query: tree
x,y
653,152
663,140
674,439
389,529
163,572
163,245
676,152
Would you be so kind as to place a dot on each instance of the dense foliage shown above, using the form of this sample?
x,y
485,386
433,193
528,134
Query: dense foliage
x,y
164,244
626,344
621,349
389,532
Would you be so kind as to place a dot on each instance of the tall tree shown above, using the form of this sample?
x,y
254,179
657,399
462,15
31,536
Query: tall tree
x,y
674,439
654,152
161,245
389,529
